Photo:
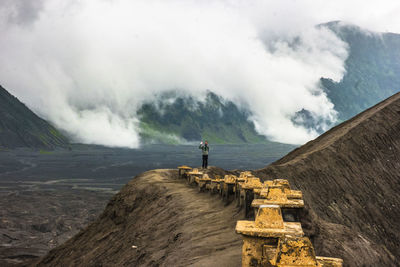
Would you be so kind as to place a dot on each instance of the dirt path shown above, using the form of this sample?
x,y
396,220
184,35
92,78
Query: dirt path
x,y
171,224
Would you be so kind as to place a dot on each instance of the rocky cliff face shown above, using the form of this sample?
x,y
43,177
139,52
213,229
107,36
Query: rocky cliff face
x,y
350,177
20,127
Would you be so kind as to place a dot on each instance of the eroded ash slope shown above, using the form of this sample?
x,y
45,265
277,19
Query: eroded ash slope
x,y
350,178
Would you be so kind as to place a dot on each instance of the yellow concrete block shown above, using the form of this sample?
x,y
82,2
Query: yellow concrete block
x,y
195,171
203,181
268,183
251,183
289,203
269,217
291,194
295,251
330,262
183,170
269,223
230,179
193,175
245,174
274,192
184,167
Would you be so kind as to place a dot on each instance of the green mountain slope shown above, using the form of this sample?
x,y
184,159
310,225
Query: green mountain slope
x,y
373,70
20,127
215,120
373,74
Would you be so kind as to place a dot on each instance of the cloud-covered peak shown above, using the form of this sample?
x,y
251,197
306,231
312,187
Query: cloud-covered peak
x,y
87,66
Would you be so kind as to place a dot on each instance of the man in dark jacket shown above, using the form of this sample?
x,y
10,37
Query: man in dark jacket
x,y
204,148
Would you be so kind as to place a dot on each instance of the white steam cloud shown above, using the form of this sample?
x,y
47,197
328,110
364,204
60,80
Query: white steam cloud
x,y
88,65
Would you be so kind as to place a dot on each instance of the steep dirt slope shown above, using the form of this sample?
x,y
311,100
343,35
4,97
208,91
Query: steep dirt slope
x,y
20,127
350,178
170,223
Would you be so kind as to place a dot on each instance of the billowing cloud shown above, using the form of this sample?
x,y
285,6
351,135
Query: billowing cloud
x,y
22,12
88,65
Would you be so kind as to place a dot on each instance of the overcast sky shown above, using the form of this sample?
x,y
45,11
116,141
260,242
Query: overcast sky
x,y
88,65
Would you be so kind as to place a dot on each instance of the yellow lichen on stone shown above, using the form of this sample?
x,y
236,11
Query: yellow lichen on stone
x,y
260,245
282,185
215,182
257,192
245,174
283,182
274,192
183,170
330,262
269,217
268,240
268,183
230,179
269,223
251,183
260,237
203,181
289,203
239,183
258,251
204,178
196,172
184,167
295,251
194,175
214,185
294,194
291,194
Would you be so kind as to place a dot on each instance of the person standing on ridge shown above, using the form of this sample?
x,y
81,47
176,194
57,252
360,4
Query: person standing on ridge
x,y
204,148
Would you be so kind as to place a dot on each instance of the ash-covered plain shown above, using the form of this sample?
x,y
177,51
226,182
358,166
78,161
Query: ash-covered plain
x,y
49,196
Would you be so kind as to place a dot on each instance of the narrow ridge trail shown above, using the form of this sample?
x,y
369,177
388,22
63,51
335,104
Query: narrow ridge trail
x,y
170,223
349,176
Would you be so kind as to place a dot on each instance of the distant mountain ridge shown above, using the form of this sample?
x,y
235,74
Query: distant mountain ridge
x,y
372,69
214,119
20,127
372,75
